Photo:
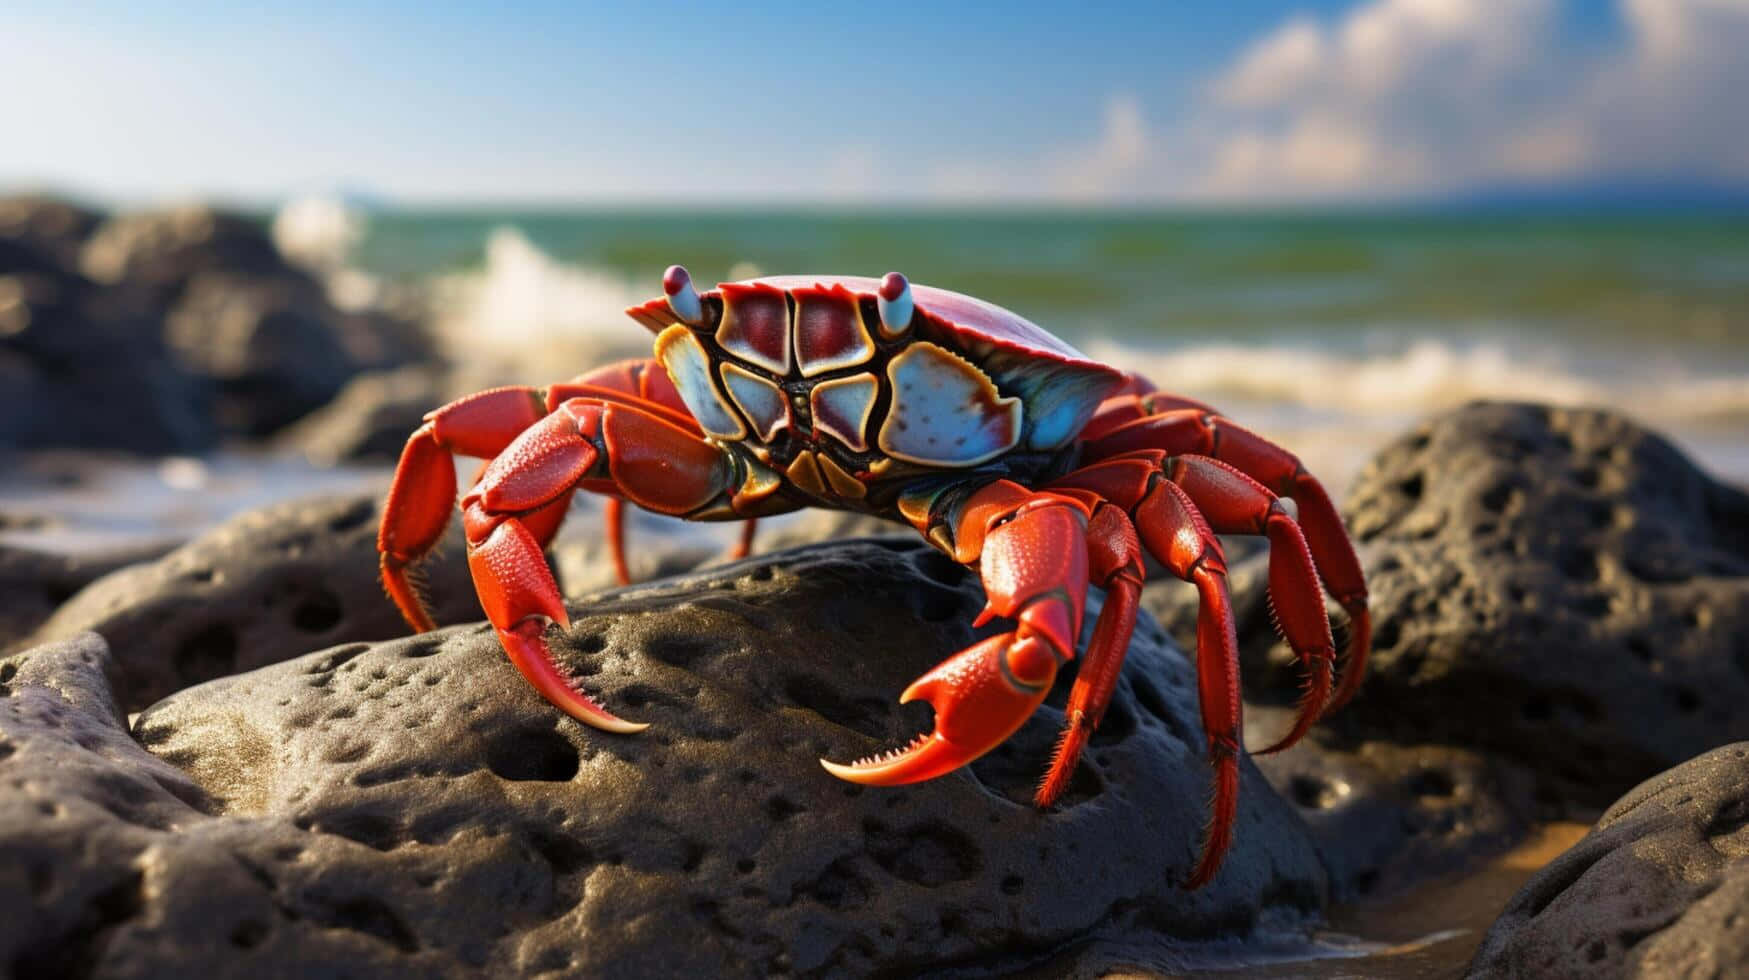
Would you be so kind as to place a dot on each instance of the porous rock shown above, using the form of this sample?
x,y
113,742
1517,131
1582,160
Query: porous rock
x,y
414,808
1386,816
33,583
1658,888
266,586
1556,587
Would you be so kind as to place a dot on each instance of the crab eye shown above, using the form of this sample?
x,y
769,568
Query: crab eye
x,y
683,299
893,300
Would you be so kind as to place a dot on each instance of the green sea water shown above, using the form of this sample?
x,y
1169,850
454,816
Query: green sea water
x,y
1332,328
1679,278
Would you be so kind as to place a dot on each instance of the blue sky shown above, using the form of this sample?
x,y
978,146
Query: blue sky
x,y
1017,102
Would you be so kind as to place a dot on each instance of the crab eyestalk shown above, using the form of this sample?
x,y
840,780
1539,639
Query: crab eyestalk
x,y
683,298
893,300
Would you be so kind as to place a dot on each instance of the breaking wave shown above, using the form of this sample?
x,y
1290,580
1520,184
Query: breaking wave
x,y
1335,398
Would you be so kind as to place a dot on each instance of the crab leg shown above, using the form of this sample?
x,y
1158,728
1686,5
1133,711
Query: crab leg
x,y
423,492
1233,503
1176,534
1032,554
597,445
646,381
1193,431
1115,565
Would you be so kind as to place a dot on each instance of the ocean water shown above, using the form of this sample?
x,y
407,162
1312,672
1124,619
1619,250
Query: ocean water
x,y
1330,332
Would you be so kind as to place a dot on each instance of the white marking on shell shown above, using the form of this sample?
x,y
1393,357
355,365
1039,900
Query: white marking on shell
x,y
946,412
689,367
764,403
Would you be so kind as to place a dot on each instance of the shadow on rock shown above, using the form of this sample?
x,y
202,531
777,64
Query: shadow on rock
x,y
414,807
1659,888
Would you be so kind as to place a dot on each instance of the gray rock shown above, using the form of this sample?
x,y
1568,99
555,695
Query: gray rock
x,y
83,366
34,583
268,344
1558,588
159,252
1387,816
58,227
265,587
413,808
1659,888
371,418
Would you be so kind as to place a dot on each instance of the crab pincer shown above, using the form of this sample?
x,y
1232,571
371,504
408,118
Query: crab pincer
x,y
1032,552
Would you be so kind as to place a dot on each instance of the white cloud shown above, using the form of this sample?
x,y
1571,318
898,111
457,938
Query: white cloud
x,y
1407,96
1121,162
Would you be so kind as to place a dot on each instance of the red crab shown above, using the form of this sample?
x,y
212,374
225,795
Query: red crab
x,y
1007,449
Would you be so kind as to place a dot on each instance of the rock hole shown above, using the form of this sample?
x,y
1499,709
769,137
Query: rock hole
x,y
1412,487
355,515
565,854
368,916
1012,885
1313,793
374,830
930,855
780,808
838,886
1579,564
1596,952
421,647
1386,636
1730,818
763,573
1432,783
319,612
939,567
248,934
745,865
1687,700
1496,497
208,654
1537,708
533,755
336,658
680,649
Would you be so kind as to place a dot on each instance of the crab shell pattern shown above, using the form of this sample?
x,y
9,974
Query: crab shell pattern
x,y
1044,470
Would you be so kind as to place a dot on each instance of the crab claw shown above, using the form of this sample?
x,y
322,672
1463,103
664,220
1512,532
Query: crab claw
x,y
683,299
981,695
